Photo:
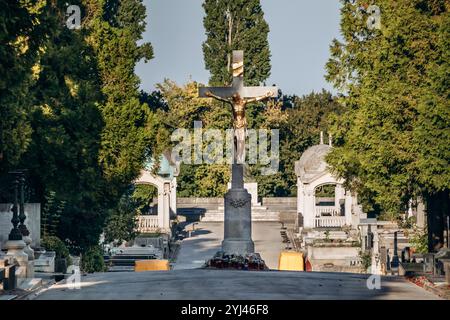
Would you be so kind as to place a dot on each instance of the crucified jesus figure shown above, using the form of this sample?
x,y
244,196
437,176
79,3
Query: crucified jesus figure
x,y
239,120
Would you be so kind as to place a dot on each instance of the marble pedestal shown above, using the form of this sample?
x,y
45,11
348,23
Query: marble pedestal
x,y
16,253
238,216
28,250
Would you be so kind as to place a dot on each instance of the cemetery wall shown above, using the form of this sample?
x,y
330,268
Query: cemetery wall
x,y
279,201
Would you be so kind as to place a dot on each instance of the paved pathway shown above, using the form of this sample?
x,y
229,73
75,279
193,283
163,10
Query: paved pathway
x,y
203,284
207,237
198,284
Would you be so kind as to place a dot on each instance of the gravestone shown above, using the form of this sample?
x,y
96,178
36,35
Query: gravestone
x,y
45,262
395,261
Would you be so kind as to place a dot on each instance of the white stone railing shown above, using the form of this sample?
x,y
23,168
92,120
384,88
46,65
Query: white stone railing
x,y
147,224
326,222
327,211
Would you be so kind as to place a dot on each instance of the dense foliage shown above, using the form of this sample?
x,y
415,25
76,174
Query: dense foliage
x,y
392,139
236,25
72,111
52,243
298,119
92,260
20,39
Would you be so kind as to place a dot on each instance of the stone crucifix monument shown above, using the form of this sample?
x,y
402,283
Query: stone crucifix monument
x,y
238,221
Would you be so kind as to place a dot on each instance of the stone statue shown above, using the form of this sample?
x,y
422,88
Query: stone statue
x,y
239,120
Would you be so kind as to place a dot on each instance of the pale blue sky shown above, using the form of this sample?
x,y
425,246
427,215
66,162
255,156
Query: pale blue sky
x,y
300,34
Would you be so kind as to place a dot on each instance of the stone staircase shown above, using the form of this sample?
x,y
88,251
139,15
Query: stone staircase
x,y
212,209
259,213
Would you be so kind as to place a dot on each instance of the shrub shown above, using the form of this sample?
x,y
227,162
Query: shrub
x,y
366,260
92,260
419,240
53,243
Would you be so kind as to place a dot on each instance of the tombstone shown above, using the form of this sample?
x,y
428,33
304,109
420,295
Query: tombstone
x,y
45,262
443,256
420,215
428,263
383,259
8,277
388,261
395,260
406,255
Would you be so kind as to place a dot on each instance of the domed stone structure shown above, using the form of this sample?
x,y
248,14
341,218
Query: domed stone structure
x,y
318,211
328,215
312,162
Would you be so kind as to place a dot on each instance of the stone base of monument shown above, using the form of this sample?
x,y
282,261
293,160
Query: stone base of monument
x,y
250,262
238,249
238,223
16,254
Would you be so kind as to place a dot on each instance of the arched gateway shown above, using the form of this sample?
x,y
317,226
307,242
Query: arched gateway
x,y
322,200
165,180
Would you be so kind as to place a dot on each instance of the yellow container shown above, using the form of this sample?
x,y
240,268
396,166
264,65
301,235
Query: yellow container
x,y
151,265
291,261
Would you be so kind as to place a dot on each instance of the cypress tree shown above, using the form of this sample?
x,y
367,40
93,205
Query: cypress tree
x,y
116,27
236,25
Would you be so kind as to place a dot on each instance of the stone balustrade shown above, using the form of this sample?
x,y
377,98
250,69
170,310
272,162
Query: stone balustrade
x,y
147,224
326,222
327,211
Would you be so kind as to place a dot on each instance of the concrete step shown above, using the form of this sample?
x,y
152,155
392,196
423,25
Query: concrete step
x,y
218,216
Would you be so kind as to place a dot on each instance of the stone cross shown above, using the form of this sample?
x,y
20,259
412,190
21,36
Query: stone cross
x,y
238,83
237,202
238,96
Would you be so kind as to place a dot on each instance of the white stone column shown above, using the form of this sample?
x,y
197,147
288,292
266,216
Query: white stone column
x,y
30,254
339,193
300,201
300,197
161,207
348,208
173,196
166,206
376,262
309,207
420,215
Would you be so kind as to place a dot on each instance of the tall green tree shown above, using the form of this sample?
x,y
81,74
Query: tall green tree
x,y
236,25
62,157
392,139
116,28
299,121
74,115
20,38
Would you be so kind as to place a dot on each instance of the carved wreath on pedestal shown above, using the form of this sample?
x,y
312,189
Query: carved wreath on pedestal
x,y
238,203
